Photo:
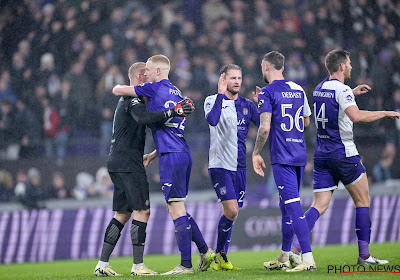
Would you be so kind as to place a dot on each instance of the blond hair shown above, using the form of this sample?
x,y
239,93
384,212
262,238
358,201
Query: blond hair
x,y
160,60
135,68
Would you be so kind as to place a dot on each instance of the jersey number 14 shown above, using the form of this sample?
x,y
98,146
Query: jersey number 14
x,y
320,117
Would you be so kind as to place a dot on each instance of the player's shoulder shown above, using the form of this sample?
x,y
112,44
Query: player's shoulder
x,y
211,97
294,86
265,90
133,101
335,85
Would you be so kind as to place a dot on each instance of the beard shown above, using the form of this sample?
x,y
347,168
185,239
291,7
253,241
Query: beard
x,y
266,81
232,91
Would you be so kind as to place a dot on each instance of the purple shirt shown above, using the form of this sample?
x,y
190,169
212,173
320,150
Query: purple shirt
x,y
163,95
288,104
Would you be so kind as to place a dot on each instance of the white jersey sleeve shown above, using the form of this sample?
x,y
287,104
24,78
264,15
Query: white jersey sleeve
x,y
209,104
345,97
306,109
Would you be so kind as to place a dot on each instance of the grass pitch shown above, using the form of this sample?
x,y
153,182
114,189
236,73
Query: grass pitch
x,y
250,262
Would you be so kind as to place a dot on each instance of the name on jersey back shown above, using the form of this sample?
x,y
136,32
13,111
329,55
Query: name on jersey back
x,y
175,92
324,94
290,94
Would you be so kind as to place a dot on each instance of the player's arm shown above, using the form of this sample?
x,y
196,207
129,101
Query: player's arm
x,y
214,114
262,136
123,90
142,116
148,158
357,115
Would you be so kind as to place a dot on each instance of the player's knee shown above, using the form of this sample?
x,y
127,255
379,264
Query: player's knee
x,y
321,206
122,217
231,213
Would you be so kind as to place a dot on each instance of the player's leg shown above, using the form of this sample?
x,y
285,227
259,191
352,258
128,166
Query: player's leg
x,y
319,206
287,179
358,191
282,261
223,182
173,175
113,231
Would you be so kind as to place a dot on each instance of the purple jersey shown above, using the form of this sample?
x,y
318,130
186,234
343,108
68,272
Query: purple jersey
x,y
288,104
229,122
334,127
163,95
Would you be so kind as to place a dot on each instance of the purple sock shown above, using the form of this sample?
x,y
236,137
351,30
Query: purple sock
x,y
312,215
183,234
300,225
287,233
197,237
228,241
224,227
287,228
363,231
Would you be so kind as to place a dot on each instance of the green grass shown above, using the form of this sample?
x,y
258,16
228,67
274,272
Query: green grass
x,y
250,262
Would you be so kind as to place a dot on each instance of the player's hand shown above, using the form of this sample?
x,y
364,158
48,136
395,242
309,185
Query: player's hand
x,y
183,109
255,94
148,158
391,115
222,84
258,164
361,89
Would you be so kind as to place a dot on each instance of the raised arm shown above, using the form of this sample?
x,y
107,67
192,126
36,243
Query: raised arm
x,y
123,90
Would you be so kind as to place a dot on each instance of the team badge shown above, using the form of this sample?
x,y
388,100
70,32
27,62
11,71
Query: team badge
x,y
245,111
222,191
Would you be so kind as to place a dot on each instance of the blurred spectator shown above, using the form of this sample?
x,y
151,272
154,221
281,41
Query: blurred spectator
x,y
28,130
57,188
84,187
103,185
382,169
21,181
5,88
8,147
35,193
55,132
6,186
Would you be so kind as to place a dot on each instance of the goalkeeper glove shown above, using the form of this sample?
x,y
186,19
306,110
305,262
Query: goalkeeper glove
x,y
183,109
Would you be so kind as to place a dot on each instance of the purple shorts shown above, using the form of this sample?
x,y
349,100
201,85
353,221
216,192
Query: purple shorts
x,y
229,184
328,172
174,175
288,180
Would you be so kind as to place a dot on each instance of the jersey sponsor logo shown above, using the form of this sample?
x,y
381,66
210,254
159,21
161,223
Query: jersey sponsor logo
x,y
236,122
135,101
175,92
349,98
290,94
245,111
260,103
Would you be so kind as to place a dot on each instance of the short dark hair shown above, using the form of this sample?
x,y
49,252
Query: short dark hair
x,y
275,58
228,67
334,58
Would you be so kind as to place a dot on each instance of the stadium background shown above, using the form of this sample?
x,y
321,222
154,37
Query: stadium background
x,y
63,58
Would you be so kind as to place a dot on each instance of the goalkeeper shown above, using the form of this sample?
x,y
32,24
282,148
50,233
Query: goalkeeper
x,y
125,165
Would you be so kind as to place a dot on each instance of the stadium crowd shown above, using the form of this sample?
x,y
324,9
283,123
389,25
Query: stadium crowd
x,y
60,60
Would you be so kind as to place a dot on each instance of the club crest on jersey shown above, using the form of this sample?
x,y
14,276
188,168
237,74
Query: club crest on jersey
x,y
222,191
349,98
260,103
245,111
